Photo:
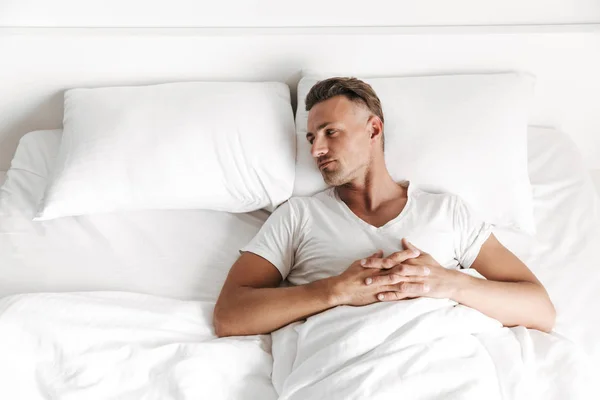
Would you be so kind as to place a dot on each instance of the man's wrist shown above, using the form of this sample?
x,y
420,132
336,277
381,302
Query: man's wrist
x,y
326,290
462,284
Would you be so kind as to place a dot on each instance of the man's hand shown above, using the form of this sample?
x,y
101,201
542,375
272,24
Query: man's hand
x,y
349,287
414,277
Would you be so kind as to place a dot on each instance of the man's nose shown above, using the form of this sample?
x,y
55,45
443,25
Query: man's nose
x,y
319,148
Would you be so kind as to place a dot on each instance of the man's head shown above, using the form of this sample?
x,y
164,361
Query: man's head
x,y
345,128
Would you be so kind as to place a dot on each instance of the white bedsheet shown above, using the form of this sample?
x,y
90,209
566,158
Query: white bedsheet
x,y
72,346
424,349
596,179
565,252
111,345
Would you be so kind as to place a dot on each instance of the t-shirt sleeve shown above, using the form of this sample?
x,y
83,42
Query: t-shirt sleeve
x,y
275,241
470,233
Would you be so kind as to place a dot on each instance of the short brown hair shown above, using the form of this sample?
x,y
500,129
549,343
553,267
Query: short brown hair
x,y
353,89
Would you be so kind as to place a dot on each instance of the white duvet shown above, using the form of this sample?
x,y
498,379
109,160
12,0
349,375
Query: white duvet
x,y
116,345
424,349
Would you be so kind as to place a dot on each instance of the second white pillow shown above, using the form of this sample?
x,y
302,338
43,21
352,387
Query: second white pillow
x,y
464,134
224,146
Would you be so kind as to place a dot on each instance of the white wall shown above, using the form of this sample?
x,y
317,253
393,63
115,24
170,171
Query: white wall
x,y
44,64
37,65
269,13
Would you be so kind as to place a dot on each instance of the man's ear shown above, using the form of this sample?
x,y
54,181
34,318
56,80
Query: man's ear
x,y
375,126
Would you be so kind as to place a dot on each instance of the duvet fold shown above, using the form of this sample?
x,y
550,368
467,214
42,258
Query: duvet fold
x,y
423,348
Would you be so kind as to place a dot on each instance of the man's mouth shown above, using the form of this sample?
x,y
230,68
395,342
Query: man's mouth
x,y
325,163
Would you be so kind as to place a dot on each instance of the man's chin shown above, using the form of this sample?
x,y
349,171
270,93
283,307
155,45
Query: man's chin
x,y
331,179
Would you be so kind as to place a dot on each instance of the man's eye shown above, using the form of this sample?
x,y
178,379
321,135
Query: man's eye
x,y
330,132
311,140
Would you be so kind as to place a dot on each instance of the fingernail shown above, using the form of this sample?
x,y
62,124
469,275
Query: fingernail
x,y
368,281
426,288
380,297
363,261
426,271
415,253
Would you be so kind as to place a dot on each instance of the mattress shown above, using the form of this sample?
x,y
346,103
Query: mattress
x,y
180,254
118,306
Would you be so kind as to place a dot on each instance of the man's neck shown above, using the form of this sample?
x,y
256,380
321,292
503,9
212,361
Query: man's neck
x,y
370,194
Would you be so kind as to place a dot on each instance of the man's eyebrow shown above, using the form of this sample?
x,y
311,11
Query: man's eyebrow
x,y
323,125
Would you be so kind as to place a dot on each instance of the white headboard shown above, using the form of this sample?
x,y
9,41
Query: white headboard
x,y
38,64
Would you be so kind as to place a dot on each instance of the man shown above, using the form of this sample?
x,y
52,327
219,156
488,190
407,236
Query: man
x,y
330,247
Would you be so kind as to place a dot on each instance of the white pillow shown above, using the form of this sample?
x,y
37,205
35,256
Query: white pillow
x,y
184,254
465,134
226,146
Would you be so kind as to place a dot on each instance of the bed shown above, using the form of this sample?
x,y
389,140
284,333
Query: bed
x,y
61,340
120,305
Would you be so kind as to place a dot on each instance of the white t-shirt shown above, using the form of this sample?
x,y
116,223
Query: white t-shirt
x,y
311,238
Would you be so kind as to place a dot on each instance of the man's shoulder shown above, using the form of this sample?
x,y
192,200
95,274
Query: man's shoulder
x,y
303,204
432,194
316,198
434,199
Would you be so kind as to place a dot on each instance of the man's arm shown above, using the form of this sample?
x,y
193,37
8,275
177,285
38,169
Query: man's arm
x,y
512,294
251,302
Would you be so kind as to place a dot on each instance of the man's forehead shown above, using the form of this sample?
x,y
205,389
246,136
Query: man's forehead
x,y
333,110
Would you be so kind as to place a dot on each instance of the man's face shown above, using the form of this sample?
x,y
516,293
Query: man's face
x,y
340,139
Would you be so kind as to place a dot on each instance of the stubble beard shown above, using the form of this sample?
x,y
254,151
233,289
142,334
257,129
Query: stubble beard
x,y
337,177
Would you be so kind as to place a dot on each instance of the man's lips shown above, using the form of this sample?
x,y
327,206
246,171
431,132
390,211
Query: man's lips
x,y
324,163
